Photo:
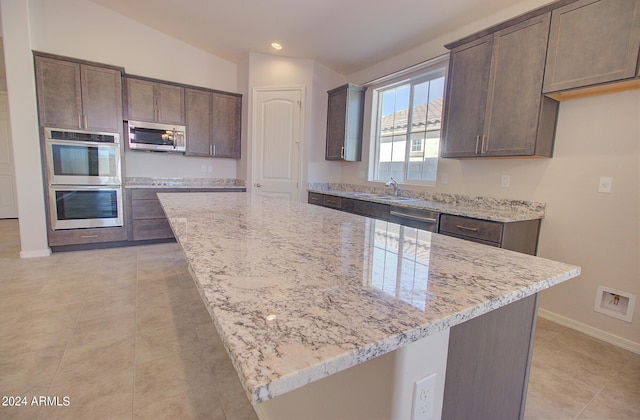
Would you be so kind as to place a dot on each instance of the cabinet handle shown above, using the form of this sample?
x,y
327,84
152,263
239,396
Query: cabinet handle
x,y
342,152
477,142
214,150
472,229
211,150
483,149
79,120
89,236
86,121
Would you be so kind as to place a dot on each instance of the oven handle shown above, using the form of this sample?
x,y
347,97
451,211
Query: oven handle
x,y
412,217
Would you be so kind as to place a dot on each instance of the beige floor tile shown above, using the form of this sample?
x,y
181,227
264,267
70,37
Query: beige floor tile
x,y
620,398
96,397
103,329
201,402
28,412
84,361
152,317
235,402
30,373
545,331
162,342
170,376
109,305
214,350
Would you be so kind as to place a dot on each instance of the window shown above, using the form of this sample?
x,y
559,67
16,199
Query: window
x,y
409,110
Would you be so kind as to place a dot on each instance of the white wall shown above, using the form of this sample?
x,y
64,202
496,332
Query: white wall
x,y
110,38
596,136
269,71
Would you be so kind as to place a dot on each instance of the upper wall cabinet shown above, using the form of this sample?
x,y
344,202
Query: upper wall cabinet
x,y
592,42
344,123
213,123
76,95
494,105
154,101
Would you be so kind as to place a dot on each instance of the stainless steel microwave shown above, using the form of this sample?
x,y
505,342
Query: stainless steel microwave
x,y
156,137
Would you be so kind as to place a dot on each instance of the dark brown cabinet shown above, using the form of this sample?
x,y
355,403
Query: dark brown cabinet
x,y
146,218
76,95
213,123
592,42
494,105
344,123
519,236
488,363
154,101
349,205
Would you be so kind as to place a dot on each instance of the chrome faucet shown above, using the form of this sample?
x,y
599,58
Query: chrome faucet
x,y
393,183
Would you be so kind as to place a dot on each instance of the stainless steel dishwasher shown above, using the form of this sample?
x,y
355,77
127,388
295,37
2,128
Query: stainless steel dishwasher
x,y
413,217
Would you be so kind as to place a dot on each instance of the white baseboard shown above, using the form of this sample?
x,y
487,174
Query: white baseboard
x,y
591,331
35,254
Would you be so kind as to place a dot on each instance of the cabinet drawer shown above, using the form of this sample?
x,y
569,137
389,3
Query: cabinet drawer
x,y
331,201
150,193
483,230
146,209
151,229
315,198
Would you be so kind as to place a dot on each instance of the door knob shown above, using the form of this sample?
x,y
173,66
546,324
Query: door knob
x,y
258,185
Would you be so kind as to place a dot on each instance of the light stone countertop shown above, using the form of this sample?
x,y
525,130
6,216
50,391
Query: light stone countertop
x,y
299,292
504,211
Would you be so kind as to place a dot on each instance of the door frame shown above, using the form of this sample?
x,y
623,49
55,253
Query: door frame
x,y
302,147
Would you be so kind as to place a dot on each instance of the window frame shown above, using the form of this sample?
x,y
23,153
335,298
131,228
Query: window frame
x,y
432,69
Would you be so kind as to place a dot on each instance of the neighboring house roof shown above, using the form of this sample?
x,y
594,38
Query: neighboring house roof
x,y
429,113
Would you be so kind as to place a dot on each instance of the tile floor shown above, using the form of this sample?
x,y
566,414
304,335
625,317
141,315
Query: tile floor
x,y
123,334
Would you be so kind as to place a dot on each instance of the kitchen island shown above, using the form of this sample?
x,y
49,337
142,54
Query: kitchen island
x,y
302,294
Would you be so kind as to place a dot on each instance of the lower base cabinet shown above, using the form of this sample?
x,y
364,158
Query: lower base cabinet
x,y
488,363
146,220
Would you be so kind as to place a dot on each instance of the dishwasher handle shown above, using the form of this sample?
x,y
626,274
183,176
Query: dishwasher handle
x,y
412,217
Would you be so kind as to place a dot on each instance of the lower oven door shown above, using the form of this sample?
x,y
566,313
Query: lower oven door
x,y
77,207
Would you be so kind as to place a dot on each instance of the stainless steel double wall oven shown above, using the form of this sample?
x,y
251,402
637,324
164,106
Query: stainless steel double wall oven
x,y
84,179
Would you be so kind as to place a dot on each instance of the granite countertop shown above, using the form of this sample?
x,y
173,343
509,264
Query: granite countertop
x,y
498,210
299,292
148,182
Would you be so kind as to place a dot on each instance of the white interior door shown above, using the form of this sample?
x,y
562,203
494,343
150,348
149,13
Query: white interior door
x,y
8,203
277,128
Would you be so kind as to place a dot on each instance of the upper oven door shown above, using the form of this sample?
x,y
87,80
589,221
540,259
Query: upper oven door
x,y
83,163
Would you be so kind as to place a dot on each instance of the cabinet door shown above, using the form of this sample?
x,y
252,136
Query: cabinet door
x,y
141,100
101,98
198,122
59,97
336,124
466,98
226,116
515,88
592,42
170,104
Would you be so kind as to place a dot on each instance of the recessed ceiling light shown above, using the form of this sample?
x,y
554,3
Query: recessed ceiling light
x,y
276,46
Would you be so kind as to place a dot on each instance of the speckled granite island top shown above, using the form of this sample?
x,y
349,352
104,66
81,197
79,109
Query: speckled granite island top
x,y
299,292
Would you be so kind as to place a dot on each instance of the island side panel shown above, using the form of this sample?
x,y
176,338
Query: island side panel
x,y
378,389
488,363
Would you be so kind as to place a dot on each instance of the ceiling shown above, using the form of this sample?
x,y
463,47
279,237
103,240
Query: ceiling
x,y
344,35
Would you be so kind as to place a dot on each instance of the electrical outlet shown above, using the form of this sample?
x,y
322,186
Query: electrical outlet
x,y
605,184
505,180
424,398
